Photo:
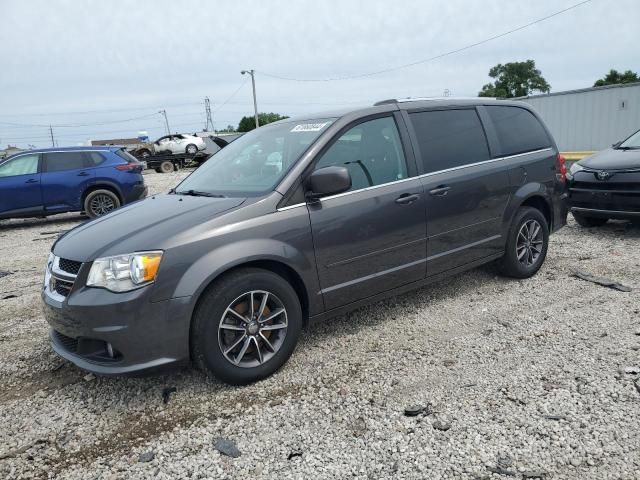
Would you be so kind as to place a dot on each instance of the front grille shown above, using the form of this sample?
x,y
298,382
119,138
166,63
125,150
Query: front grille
x,y
70,344
69,266
62,287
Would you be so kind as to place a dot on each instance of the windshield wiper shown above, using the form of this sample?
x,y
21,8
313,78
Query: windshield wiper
x,y
196,193
628,148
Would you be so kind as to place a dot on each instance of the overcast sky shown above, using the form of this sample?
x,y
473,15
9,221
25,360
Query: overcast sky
x,y
87,62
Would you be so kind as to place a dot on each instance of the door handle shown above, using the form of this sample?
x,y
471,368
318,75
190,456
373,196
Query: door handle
x,y
32,180
407,198
440,190
83,174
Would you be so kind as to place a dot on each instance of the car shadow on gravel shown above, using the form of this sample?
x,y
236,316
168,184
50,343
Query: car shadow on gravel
x,y
397,306
613,228
12,224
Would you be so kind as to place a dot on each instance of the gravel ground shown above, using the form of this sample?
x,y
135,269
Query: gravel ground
x,y
514,378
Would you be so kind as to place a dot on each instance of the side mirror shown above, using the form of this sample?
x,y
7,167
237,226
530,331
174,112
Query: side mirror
x,y
328,181
616,145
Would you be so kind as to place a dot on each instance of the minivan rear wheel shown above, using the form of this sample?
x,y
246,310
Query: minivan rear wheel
x,y
527,244
100,202
246,326
587,221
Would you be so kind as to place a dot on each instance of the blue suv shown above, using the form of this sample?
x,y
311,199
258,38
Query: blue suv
x,y
96,180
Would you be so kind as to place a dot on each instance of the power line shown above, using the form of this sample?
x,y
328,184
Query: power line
x,y
435,57
230,96
77,125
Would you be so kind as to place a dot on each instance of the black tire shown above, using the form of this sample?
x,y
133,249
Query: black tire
x,y
206,342
511,264
100,202
191,149
166,166
587,221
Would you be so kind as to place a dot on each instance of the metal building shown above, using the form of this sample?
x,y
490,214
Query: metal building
x,y
590,118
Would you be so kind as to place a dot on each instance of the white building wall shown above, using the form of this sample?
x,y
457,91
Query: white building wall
x,y
592,118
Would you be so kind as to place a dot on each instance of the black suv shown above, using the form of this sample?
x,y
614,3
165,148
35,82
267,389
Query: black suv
x,y
607,185
300,220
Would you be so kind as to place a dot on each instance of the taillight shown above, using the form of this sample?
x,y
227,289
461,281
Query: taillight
x,y
128,167
562,168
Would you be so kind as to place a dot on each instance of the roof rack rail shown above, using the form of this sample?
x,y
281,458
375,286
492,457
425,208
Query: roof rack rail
x,y
385,102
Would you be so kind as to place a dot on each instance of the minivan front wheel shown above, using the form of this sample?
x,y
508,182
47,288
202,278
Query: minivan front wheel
x,y
527,244
246,326
100,202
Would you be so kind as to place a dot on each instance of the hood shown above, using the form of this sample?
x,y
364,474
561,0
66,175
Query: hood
x,y
612,159
145,225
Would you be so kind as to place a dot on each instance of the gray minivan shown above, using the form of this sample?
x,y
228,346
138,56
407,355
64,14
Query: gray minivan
x,y
301,220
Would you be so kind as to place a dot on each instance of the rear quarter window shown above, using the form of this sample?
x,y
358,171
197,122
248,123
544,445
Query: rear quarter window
x,y
94,159
518,130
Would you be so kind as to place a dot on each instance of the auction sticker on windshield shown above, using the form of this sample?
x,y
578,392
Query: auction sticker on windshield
x,y
309,127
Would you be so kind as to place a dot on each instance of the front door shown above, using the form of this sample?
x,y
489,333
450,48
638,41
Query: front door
x,y
466,191
371,238
20,185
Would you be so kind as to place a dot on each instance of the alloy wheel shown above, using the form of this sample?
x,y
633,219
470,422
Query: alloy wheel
x,y
102,204
529,243
252,329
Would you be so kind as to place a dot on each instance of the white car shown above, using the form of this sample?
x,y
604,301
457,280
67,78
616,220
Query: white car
x,y
179,143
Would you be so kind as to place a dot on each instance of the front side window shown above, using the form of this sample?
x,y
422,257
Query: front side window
x,y
518,130
256,162
23,165
60,161
631,143
449,138
371,151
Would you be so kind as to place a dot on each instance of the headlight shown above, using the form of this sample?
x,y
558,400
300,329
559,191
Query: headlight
x,y
122,273
575,168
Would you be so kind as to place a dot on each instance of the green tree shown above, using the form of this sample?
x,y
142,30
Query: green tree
x,y
515,79
615,77
228,129
249,123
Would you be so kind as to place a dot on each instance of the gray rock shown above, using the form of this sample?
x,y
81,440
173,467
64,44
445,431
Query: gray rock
x,y
226,447
443,426
534,474
146,457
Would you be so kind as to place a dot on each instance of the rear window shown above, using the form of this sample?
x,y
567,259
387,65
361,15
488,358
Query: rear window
x,y
518,130
449,138
126,156
60,161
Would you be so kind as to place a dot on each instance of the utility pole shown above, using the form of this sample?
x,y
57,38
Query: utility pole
x,y
207,110
163,112
253,85
53,142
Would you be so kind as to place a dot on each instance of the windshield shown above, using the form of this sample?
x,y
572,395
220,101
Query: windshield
x,y
632,142
256,162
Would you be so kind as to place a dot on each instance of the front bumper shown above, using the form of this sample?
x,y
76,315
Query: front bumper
x,y
614,214
616,197
115,334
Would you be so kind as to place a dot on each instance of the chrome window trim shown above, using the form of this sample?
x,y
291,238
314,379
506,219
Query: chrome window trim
x,y
424,175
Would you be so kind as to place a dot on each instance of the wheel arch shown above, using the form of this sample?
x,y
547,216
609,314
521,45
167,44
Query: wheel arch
x,y
531,195
280,268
